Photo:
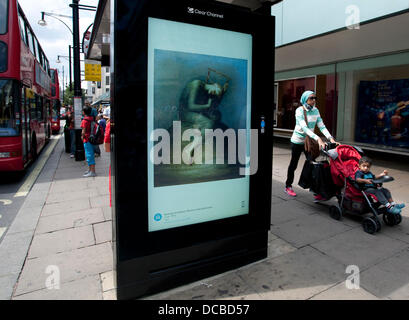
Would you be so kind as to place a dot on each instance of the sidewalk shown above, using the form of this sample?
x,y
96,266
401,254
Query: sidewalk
x,y
69,227
66,222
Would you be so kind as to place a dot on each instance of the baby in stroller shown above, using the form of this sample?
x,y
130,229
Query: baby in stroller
x,y
364,178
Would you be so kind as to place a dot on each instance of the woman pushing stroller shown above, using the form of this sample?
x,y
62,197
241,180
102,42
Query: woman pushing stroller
x,y
364,177
307,116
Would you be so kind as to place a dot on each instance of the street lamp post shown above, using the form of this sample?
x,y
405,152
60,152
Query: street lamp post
x,y
79,154
79,150
69,60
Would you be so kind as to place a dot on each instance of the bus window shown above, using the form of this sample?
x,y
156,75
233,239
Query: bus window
x,y
8,101
53,80
3,56
38,53
3,16
30,41
46,108
39,108
22,29
32,106
47,66
56,110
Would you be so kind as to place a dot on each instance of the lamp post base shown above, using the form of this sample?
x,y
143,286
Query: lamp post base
x,y
79,150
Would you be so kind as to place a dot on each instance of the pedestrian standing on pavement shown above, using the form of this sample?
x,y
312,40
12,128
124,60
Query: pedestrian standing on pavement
x,y
71,128
107,145
301,130
88,147
101,121
94,114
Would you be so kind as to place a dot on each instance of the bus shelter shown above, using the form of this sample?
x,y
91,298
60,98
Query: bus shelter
x,y
192,127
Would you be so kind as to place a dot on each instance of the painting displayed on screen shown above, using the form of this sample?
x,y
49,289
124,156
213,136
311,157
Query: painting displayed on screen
x,y
203,92
199,118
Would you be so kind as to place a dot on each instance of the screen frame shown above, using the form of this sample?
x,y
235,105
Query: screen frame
x,y
129,128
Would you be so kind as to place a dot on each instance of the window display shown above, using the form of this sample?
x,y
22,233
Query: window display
x,y
383,113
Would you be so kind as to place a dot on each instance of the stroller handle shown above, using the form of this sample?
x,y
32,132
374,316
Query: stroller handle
x,y
328,146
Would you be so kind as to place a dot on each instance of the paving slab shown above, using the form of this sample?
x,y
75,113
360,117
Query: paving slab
x,y
278,247
289,210
390,278
297,275
60,241
71,196
66,206
88,288
69,220
107,213
34,199
400,231
99,201
68,185
107,280
227,287
109,295
41,186
73,265
356,247
276,200
309,229
13,250
103,232
7,283
26,220
271,237
341,292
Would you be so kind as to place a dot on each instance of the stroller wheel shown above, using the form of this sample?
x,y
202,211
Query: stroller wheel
x,y
398,218
389,219
370,226
378,225
335,212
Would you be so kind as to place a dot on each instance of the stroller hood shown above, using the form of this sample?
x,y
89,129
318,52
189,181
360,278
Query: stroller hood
x,y
345,165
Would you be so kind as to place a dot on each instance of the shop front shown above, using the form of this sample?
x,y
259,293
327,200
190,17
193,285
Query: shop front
x,y
288,96
361,78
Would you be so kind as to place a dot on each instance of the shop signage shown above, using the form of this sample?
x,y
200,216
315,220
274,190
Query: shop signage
x,y
92,70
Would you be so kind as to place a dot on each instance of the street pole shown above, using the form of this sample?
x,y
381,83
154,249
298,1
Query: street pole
x,y
63,85
69,55
79,152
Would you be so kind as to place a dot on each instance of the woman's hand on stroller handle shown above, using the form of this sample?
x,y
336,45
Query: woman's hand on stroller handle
x,y
322,145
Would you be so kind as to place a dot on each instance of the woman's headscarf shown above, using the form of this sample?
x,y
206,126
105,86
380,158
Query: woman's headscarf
x,y
304,98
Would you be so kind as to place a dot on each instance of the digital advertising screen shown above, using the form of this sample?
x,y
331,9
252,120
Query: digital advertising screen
x,y
199,115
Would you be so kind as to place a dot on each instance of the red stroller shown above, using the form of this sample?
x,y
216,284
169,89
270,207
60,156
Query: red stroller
x,y
351,197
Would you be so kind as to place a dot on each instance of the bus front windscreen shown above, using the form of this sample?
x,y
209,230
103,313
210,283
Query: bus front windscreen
x,y
56,110
9,125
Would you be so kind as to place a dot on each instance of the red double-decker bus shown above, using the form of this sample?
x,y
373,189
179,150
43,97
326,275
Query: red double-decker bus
x,y
24,90
55,102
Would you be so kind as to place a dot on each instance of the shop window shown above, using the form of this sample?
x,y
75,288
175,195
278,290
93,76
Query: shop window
x,y
382,108
288,100
289,94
